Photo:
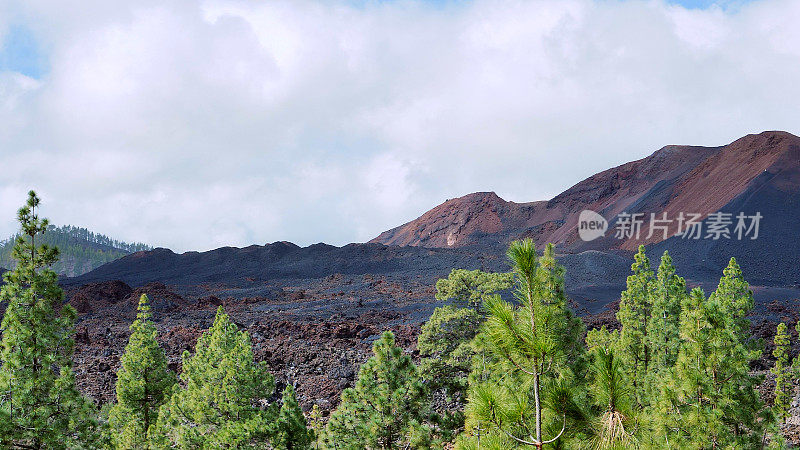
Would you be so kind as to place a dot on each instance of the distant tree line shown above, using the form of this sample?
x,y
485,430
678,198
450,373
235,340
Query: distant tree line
x,y
492,373
81,250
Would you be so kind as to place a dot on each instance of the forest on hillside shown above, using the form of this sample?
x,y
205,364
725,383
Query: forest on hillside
x,y
80,250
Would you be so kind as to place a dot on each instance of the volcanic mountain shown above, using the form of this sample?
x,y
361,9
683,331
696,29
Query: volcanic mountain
x,y
313,312
755,174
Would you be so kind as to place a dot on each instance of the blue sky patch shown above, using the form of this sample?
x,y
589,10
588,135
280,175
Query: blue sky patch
x,y
21,52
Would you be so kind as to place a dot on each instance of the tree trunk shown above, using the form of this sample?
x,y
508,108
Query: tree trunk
x,y
538,408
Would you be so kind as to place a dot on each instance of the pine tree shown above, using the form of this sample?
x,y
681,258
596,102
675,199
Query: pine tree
x,y
633,315
796,360
568,327
445,342
533,347
669,291
612,395
735,298
446,354
40,406
469,288
616,419
223,402
602,338
783,373
80,250
144,383
386,406
689,415
316,425
711,400
292,428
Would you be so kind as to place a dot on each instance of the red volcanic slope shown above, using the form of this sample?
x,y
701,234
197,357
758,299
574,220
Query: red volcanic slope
x,y
673,179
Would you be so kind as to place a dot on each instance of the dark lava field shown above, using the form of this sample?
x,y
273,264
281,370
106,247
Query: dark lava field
x,y
313,312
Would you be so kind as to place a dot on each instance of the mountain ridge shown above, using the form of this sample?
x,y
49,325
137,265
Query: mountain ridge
x,y
673,179
472,231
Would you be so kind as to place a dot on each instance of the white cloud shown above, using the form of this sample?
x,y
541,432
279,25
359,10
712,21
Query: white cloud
x,y
194,125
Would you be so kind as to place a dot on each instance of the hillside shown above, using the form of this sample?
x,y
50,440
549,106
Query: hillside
x,y
323,305
756,173
674,179
81,250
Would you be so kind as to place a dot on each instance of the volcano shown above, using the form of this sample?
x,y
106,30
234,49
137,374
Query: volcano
x,y
674,179
756,174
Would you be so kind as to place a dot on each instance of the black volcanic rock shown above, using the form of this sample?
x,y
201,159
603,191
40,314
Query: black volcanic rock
x,y
93,296
774,257
241,266
162,298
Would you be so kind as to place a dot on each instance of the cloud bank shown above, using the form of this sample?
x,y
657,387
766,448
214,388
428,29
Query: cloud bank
x,y
194,125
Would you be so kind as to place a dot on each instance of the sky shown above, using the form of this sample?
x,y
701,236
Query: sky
x,y
198,124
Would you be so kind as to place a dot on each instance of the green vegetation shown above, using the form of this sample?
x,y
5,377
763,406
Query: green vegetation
x,y
663,325
144,383
80,250
445,342
784,380
535,351
634,313
292,427
472,287
613,402
222,401
676,375
40,407
492,374
386,408
446,354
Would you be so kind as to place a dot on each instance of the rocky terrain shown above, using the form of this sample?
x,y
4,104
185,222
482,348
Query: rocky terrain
x,y
313,312
314,334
